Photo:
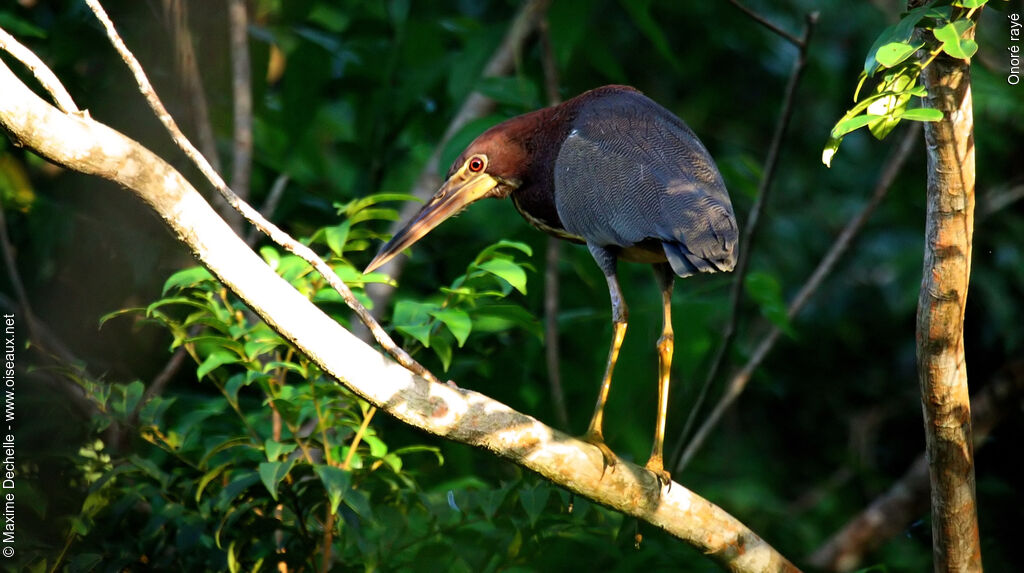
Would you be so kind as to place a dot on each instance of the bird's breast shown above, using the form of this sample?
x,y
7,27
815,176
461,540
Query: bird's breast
x,y
537,218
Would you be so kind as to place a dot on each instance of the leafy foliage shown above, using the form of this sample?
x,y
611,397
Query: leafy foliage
x,y
350,100
946,24
284,465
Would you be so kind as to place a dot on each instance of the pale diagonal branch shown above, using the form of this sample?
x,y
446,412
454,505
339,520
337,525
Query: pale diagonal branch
x,y
461,415
250,214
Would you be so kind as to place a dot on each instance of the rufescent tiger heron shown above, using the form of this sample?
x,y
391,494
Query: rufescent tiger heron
x,y
617,172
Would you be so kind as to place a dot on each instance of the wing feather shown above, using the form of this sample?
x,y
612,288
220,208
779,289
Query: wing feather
x,y
630,171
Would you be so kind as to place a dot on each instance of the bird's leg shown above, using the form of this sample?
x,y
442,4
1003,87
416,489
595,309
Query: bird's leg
x,y
666,344
620,314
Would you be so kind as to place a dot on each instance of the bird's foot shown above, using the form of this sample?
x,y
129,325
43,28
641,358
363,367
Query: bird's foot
x,y
656,466
597,440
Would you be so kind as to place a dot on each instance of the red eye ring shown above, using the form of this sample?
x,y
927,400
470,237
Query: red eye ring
x,y
475,164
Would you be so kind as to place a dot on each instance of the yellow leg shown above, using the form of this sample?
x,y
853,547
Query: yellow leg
x,y
596,422
620,314
666,344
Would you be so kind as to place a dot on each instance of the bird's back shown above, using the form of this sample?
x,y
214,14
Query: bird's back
x,y
630,172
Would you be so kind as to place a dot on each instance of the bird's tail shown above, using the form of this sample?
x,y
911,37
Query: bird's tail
x,y
720,257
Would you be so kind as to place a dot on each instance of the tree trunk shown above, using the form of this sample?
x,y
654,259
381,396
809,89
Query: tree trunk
x,y
940,315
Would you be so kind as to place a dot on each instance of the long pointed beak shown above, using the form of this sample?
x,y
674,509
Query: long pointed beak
x,y
457,192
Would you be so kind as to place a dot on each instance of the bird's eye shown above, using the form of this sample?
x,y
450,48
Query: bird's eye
x,y
475,164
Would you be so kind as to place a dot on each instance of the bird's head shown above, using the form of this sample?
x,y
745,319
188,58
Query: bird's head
x,y
492,166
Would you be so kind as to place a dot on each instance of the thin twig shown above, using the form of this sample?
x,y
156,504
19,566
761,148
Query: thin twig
x,y
345,465
44,76
553,252
270,205
798,42
476,105
250,214
750,229
839,247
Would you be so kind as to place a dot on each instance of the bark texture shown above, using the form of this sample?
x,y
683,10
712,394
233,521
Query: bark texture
x,y
940,316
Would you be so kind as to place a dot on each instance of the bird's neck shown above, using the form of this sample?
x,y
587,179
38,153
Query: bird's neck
x,y
541,134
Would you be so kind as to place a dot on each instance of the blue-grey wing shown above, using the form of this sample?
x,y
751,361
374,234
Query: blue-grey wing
x,y
630,171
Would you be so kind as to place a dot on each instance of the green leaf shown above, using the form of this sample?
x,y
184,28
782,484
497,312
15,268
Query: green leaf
x,y
494,249
500,317
132,394
236,486
413,319
442,347
117,313
894,53
21,27
337,236
271,473
336,481
509,271
394,462
900,32
233,565
209,477
846,126
359,502
225,445
971,4
952,42
378,448
187,278
923,114
457,321
420,448
534,500
214,360
273,449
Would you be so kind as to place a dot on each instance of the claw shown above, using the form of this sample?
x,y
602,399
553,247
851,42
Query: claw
x,y
597,441
656,466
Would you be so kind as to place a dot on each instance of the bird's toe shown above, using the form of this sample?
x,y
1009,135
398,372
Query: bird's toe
x,y
609,457
657,467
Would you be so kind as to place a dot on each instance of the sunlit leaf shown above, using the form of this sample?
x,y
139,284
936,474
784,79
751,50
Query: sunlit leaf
x,y
213,360
844,127
457,321
953,43
923,114
508,271
187,278
894,53
336,237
